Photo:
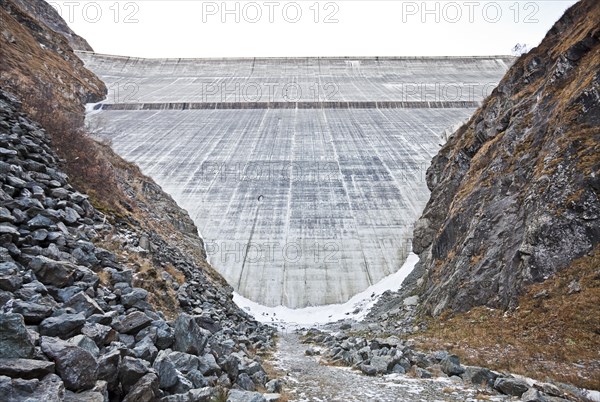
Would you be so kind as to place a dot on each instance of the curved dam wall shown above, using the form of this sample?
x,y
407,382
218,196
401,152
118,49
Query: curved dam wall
x,y
300,201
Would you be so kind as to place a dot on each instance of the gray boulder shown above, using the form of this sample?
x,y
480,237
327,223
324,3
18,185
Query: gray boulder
x,y
15,341
198,380
533,395
49,389
145,349
189,336
51,272
84,304
205,394
33,313
108,368
26,368
76,366
419,372
85,343
167,373
479,376
63,326
101,334
133,323
381,364
133,298
245,382
144,390
451,365
10,280
511,386
165,336
184,362
367,369
85,396
131,370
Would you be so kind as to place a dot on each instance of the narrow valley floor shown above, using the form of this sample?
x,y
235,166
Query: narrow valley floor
x,y
307,379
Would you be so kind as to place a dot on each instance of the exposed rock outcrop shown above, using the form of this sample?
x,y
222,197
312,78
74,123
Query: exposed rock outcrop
x,y
49,16
38,61
515,191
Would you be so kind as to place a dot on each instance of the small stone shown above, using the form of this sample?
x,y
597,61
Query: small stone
x,y
574,287
411,301
40,222
6,216
533,395
10,230
60,193
236,395
274,386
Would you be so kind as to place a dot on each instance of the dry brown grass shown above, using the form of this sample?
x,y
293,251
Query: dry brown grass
x,y
546,337
161,295
104,277
273,372
78,152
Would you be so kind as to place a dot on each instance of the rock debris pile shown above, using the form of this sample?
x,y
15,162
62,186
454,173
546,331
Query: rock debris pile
x,y
391,355
73,325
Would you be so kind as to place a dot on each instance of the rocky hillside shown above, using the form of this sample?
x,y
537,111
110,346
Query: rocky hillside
x,y
38,61
111,304
80,322
515,191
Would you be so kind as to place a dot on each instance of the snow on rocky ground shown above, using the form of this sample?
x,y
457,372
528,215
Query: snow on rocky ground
x,y
356,308
309,380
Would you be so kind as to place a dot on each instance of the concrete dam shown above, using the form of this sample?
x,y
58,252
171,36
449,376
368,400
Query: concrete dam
x,y
304,176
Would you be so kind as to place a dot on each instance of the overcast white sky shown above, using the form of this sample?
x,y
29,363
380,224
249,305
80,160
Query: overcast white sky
x,y
194,28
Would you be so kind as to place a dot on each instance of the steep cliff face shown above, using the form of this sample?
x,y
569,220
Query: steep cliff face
x,y
38,61
45,13
515,191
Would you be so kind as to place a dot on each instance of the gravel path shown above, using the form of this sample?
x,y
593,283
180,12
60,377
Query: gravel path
x,y
308,380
